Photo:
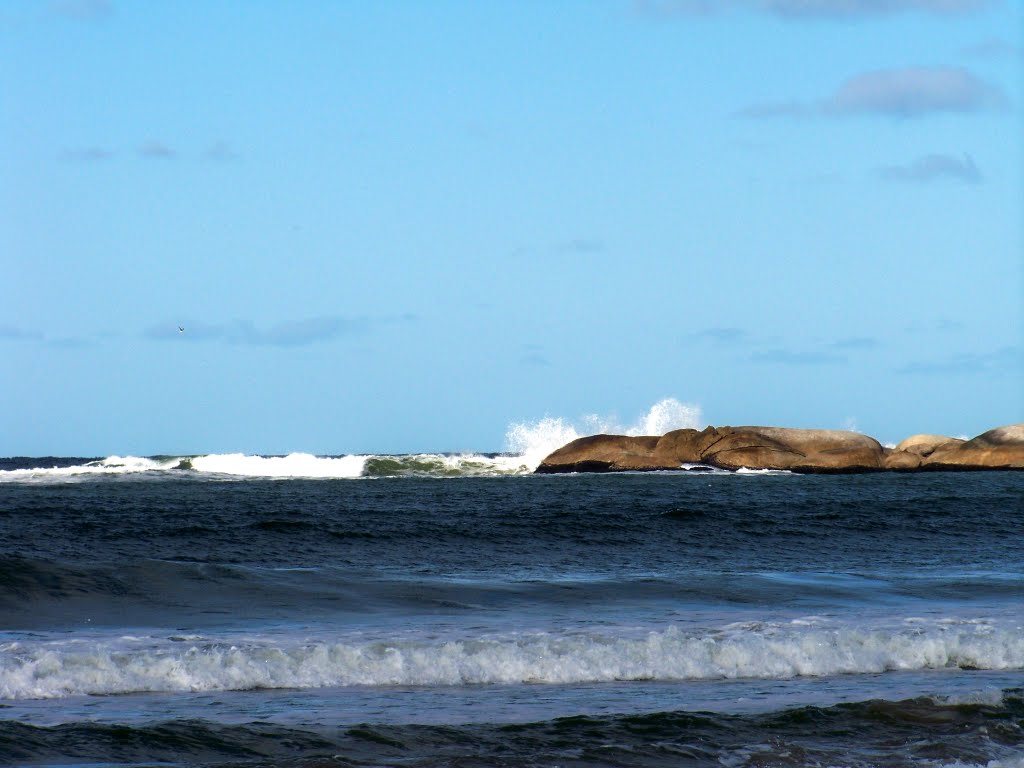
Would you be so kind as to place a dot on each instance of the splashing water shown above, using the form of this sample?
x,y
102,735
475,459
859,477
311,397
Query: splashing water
x,y
535,440
666,415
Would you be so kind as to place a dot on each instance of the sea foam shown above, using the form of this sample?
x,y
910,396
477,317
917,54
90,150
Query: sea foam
x,y
292,465
112,465
758,651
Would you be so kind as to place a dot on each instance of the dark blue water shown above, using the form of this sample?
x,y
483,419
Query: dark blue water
x,y
647,619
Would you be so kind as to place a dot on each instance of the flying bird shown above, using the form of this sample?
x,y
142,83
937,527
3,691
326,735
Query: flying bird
x,y
180,329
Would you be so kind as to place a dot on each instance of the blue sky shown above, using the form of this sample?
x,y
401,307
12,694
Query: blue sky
x,y
400,226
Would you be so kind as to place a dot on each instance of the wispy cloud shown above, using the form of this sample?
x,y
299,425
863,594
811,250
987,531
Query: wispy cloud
x,y
935,167
14,333
86,155
797,357
914,92
157,150
221,152
290,334
301,332
535,359
993,47
772,109
70,342
534,356
810,9
1007,359
941,324
855,342
723,334
82,10
905,93
776,350
582,245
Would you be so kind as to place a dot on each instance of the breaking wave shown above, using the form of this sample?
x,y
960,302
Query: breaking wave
x,y
40,669
526,444
535,440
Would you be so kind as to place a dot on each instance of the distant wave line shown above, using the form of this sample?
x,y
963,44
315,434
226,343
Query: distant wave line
x,y
527,444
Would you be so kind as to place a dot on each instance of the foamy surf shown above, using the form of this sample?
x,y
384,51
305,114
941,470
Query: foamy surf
x,y
292,465
112,465
526,443
34,669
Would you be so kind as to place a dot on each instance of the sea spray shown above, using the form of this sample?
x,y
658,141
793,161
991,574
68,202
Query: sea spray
x,y
533,441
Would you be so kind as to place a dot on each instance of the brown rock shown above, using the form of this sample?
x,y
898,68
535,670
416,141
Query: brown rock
x,y
798,450
902,460
926,445
911,453
1000,448
606,453
686,446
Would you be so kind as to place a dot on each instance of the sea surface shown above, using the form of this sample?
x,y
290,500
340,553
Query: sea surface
x,y
440,610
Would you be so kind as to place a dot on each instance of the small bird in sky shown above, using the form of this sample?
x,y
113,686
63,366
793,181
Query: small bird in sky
x,y
180,329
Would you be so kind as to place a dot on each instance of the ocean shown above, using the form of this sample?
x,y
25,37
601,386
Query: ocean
x,y
441,610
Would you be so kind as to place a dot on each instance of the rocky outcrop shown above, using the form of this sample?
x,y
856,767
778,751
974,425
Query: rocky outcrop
x,y
796,450
912,452
608,453
1000,448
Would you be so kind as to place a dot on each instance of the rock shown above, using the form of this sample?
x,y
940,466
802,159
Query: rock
x,y
798,450
902,460
926,445
606,453
911,453
1000,448
686,446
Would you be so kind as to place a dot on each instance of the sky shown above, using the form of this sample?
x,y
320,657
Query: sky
x,y
397,226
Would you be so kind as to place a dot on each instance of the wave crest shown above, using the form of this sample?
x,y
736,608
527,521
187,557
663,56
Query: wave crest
x,y
757,651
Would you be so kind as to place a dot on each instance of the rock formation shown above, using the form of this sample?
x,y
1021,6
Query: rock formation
x,y
912,452
796,450
610,453
1000,448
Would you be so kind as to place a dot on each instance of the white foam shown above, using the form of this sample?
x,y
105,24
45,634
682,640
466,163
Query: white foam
x,y
112,465
1009,761
40,669
292,465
